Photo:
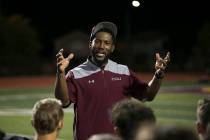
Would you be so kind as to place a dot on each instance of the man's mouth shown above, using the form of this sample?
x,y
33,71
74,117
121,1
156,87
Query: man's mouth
x,y
100,54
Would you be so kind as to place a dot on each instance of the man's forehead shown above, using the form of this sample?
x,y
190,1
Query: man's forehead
x,y
103,35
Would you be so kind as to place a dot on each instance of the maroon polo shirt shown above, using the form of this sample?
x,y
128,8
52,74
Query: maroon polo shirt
x,y
94,90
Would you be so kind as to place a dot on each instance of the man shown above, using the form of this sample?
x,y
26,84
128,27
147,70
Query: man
x,y
203,118
47,118
130,115
98,83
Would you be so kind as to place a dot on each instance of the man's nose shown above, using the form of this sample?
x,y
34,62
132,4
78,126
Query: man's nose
x,y
102,45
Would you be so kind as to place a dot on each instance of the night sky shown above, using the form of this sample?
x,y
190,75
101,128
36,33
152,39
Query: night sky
x,y
54,18
57,17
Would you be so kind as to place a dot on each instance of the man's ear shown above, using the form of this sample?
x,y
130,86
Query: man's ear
x,y
60,124
113,47
90,44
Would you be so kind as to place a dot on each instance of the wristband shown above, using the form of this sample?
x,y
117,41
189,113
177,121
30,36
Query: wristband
x,y
159,75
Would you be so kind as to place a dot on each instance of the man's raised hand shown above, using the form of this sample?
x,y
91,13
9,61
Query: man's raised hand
x,y
62,63
162,63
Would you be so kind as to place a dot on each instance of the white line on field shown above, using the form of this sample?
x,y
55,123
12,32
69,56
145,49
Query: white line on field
x,y
21,112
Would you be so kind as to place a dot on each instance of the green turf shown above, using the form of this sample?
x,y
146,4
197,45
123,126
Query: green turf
x,y
26,91
23,98
22,125
168,107
176,108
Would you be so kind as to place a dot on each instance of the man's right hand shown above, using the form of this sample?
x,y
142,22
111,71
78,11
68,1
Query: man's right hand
x,y
62,63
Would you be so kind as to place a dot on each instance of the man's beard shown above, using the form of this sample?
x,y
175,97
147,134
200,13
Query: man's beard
x,y
99,61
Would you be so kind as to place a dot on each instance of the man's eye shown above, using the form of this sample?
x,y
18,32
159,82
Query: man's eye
x,y
96,41
108,43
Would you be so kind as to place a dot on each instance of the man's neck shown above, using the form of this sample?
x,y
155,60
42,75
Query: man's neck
x,y
97,63
51,136
201,137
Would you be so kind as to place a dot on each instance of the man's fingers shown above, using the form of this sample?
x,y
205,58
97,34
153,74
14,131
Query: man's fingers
x,y
162,63
160,67
167,58
71,55
60,58
60,53
59,63
157,56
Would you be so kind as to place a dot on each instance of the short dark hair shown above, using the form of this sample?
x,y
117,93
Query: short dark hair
x,y
104,26
129,114
203,111
47,113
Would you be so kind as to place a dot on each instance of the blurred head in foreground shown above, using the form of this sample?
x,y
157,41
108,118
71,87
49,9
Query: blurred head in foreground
x,y
47,118
129,115
203,118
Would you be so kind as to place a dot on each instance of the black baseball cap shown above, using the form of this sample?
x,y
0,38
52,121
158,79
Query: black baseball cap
x,y
105,26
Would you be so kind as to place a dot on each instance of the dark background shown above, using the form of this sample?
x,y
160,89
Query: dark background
x,y
180,21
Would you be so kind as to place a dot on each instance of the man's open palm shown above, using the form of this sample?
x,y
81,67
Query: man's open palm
x,y
62,63
160,62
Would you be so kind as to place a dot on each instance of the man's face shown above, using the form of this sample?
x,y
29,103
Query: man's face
x,y
101,47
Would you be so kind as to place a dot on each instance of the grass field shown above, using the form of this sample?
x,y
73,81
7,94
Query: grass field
x,y
16,105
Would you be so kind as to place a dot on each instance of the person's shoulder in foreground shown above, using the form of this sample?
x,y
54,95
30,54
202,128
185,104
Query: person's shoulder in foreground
x,y
203,118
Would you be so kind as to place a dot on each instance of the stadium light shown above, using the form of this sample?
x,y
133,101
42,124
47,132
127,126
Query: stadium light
x,y
135,3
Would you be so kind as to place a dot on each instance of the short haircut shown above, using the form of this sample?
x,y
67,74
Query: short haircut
x,y
203,111
128,115
47,113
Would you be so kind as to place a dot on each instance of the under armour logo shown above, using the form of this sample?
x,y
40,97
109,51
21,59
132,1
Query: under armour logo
x,y
91,81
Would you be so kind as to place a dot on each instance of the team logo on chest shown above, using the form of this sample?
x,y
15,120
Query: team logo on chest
x,y
91,81
116,78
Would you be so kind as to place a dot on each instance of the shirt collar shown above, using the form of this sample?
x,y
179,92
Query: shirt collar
x,y
89,62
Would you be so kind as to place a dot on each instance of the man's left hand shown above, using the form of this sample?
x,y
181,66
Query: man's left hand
x,y
162,63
